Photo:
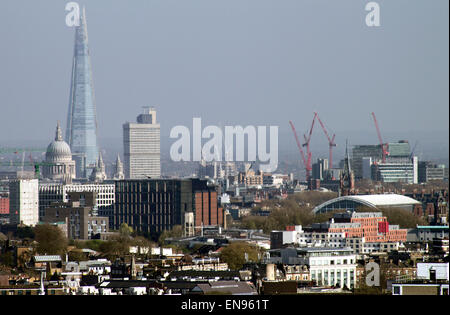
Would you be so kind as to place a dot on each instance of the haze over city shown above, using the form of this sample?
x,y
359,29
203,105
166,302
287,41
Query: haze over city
x,y
234,63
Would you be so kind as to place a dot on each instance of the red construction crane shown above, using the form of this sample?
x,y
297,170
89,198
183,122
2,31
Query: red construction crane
x,y
383,145
331,142
305,163
307,142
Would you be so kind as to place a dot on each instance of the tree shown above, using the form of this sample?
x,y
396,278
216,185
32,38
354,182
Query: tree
x,y
25,232
50,239
7,259
125,230
77,255
116,247
397,216
235,254
177,231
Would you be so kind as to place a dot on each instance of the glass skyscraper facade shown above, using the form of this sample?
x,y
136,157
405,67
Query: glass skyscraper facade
x,y
81,132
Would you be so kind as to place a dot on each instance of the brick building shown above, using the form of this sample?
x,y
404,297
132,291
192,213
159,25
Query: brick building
x,y
4,204
370,225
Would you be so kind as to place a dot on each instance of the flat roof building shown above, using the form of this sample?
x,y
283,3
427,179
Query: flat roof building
x,y
141,143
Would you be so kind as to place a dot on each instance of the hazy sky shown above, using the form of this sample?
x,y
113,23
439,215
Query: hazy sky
x,y
230,62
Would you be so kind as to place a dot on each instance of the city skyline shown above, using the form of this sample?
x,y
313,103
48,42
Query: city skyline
x,y
297,101
230,147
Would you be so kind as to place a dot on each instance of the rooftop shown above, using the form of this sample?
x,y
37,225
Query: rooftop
x,y
373,201
47,258
435,227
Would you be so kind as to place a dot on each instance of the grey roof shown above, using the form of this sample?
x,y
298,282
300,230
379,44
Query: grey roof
x,y
47,258
231,287
204,273
121,284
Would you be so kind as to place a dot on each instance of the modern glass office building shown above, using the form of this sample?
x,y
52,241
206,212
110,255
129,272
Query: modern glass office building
x,y
81,132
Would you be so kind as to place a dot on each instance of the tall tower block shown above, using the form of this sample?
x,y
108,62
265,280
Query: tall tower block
x,y
81,132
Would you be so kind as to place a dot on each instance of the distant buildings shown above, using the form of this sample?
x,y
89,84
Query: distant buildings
x,y
141,142
118,173
364,151
428,171
24,201
98,174
320,169
400,165
393,172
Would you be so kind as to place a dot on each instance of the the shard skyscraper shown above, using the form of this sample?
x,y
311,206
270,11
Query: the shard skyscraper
x,y
81,132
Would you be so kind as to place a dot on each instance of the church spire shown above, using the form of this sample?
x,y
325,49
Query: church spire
x,y
118,174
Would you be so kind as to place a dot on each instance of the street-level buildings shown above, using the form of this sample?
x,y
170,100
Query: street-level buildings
x,y
327,266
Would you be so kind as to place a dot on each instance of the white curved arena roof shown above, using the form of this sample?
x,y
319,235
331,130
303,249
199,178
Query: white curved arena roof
x,y
373,201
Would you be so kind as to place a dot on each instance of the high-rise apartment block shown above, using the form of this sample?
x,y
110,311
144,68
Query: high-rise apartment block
x,y
24,201
141,142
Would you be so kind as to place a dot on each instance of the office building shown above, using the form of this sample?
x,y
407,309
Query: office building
x,y
57,192
24,201
429,171
361,151
397,172
319,169
399,153
151,206
81,129
141,142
